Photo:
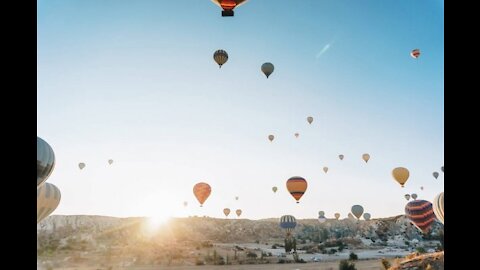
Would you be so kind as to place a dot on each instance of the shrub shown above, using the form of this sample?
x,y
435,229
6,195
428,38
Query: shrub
x,y
421,250
332,251
199,262
281,261
386,264
353,256
251,254
346,265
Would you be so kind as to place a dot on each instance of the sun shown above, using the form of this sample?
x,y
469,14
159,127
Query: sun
x,y
157,220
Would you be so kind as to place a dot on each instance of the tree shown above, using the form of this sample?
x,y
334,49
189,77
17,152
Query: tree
x,y
353,256
346,265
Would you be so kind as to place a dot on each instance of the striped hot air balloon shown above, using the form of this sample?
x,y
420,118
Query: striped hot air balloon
x,y
45,161
420,213
297,186
288,223
202,191
438,207
221,57
48,198
415,53
228,6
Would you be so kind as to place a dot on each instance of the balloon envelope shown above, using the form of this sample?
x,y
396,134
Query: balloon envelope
x,y
202,191
322,219
81,165
407,196
438,209
341,157
226,211
45,161
420,213
221,57
288,223
325,169
435,174
414,196
271,137
366,157
48,198
110,161
309,119
274,189
367,216
337,215
415,53
296,135
297,186
321,213
267,69
238,212
357,211
401,174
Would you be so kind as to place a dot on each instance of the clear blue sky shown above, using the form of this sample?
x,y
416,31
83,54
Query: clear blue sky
x,y
135,81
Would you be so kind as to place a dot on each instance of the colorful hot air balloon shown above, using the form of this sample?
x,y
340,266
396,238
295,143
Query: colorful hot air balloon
x,y
271,137
45,161
337,215
226,211
420,213
367,216
341,157
267,69
221,57
288,223
238,212
81,165
325,169
297,186
414,196
322,219
415,53
366,157
438,207
274,189
357,211
401,175
110,161
407,196
228,6
309,119
48,198
202,191
296,135
435,174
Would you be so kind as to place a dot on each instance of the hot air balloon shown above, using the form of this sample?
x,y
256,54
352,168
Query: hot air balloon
x,y
350,216
48,198
321,213
274,189
110,161
341,157
81,165
415,53
401,175
325,169
238,212
228,6
421,187
367,216
438,207
435,174
267,69
414,196
202,191
45,161
337,215
185,204
357,210
309,119
296,135
271,137
420,213
366,157
236,198
226,211
442,169
221,57
407,196
297,186
322,219
288,223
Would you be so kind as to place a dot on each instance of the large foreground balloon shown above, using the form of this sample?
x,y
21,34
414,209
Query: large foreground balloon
x,y
228,6
407,196
238,212
401,175
267,69
366,157
297,186
274,189
309,119
414,196
221,57
271,137
357,211
367,216
45,161
415,53
48,198
202,191
337,215
226,211
438,207
435,174
420,213
81,165
288,223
